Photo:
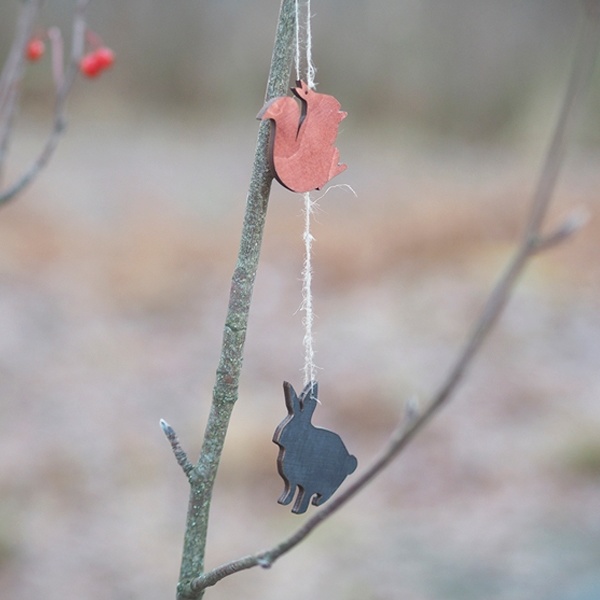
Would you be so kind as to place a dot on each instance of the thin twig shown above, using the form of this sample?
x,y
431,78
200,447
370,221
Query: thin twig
x,y
60,119
529,245
180,454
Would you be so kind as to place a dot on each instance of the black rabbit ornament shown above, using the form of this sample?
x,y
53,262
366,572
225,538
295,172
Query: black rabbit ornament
x,y
311,459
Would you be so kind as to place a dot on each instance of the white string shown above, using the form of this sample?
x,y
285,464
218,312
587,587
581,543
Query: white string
x,y
307,300
337,186
310,67
303,22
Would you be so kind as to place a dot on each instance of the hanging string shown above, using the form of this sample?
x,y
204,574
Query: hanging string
x,y
307,300
304,43
310,67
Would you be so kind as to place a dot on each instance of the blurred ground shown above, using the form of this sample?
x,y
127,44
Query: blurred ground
x,y
114,276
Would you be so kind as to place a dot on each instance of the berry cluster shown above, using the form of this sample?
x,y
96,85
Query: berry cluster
x,y
96,61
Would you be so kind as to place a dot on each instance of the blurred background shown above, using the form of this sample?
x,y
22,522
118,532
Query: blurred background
x,y
114,278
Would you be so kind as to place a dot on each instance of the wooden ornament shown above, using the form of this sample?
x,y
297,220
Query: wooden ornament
x,y
312,459
303,154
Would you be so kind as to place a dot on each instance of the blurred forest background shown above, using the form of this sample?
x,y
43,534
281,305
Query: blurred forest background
x,y
114,275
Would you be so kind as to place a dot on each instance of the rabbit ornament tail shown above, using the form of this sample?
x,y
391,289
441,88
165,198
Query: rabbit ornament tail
x,y
312,460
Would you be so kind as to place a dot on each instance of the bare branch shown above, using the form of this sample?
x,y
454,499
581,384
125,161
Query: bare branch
x,y
581,73
528,246
225,391
60,120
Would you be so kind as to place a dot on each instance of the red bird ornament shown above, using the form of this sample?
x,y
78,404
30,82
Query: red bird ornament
x,y
303,153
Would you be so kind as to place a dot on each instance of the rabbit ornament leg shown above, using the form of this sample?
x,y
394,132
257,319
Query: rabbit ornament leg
x,y
311,459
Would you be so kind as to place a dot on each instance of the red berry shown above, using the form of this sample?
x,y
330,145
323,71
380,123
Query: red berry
x,y
35,49
89,65
105,57
93,63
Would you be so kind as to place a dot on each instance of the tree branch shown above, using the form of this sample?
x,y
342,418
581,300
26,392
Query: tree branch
x,y
225,391
60,120
530,244
12,74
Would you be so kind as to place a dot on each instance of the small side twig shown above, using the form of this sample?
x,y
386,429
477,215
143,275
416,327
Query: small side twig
x,y
531,243
180,454
571,225
63,88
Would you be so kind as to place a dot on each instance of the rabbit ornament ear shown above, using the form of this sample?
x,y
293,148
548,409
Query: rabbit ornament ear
x,y
308,399
292,402
303,406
